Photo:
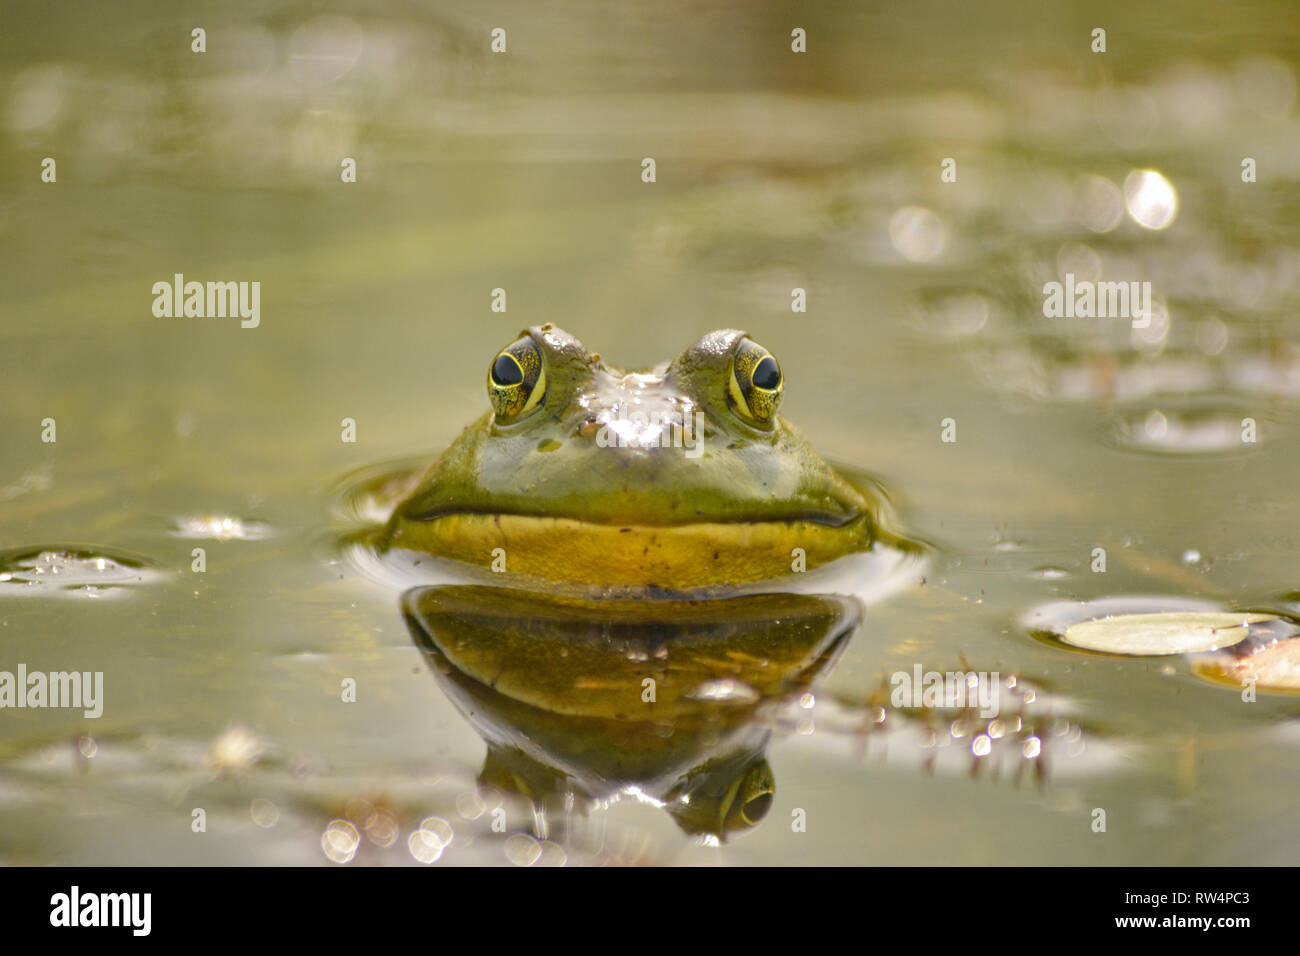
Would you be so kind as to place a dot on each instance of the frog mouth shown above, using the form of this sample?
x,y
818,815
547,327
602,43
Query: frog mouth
x,y
697,554
818,516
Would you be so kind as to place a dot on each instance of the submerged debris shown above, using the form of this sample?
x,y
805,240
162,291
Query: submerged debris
x,y
55,570
1015,733
1271,667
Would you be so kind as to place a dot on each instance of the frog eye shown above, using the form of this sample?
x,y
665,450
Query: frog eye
x,y
756,382
753,797
755,808
516,380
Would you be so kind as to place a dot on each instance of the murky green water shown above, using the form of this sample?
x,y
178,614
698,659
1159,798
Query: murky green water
x,y
522,171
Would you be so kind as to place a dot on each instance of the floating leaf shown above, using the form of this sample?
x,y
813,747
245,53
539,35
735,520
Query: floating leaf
x,y
1181,632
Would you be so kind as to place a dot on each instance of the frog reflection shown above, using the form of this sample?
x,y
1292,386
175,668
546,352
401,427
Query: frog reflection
x,y
601,702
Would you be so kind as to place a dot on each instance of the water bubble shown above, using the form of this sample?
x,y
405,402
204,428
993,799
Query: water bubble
x,y
235,751
552,854
1150,331
917,233
470,805
1098,203
424,846
360,811
440,828
382,829
1156,426
522,850
340,840
1150,199
264,813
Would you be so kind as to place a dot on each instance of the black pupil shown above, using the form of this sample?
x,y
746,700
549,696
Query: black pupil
x,y
767,375
757,808
506,371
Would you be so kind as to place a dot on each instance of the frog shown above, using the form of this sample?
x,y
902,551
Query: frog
x,y
679,478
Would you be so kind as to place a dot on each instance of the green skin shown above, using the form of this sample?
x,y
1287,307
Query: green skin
x,y
549,463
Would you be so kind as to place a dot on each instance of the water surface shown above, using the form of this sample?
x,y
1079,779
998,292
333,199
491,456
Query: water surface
x,y
522,171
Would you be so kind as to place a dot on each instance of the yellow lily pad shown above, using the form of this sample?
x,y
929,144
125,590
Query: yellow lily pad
x,y
1181,632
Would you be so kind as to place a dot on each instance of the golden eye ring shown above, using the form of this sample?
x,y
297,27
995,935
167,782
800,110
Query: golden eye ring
x,y
516,380
756,383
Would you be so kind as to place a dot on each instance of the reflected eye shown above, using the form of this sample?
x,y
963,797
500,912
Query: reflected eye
x,y
752,797
516,380
756,808
756,382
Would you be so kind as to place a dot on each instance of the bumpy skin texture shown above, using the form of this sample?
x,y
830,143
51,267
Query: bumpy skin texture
x,y
566,508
